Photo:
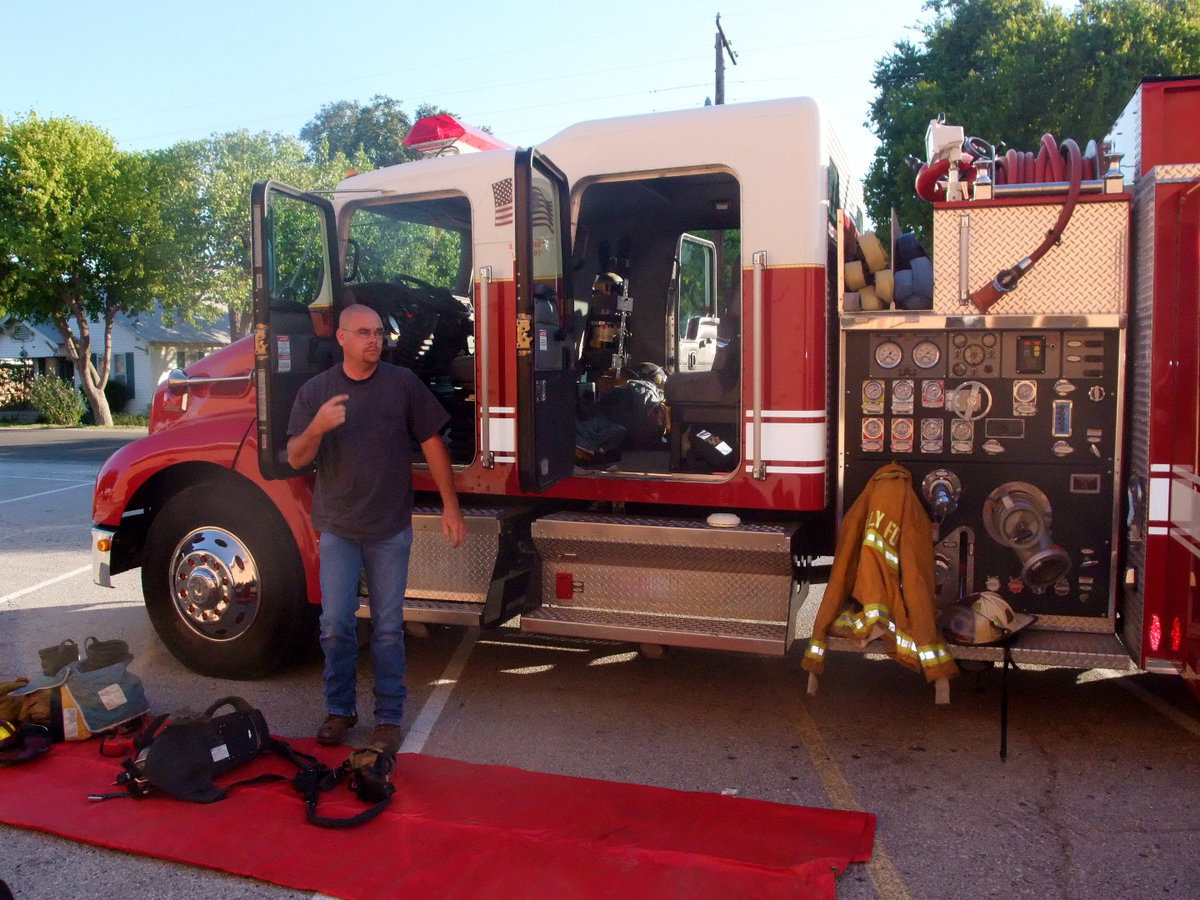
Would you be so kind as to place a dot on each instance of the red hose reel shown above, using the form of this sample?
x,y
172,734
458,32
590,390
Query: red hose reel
x,y
1053,163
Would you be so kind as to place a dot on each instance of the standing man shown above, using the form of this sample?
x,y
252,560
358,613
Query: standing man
x,y
358,420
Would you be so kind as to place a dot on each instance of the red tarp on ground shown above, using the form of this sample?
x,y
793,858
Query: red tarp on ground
x,y
456,829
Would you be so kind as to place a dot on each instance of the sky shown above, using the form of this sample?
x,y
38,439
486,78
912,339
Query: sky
x,y
154,73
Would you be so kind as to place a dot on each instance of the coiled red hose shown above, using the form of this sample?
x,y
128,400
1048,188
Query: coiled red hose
x,y
1049,165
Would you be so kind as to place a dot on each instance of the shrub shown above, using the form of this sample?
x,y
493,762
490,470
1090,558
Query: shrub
x,y
117,395
14,386
56,400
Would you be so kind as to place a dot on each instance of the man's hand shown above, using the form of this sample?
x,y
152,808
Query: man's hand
x,y
331,414
454,526
302,449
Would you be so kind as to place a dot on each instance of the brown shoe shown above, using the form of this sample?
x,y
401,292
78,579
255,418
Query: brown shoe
x,y
334,729
386,738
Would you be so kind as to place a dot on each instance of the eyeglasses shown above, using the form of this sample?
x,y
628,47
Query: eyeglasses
x,y
365,333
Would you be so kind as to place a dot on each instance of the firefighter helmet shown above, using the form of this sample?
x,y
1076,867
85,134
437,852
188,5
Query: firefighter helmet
x,y
982,618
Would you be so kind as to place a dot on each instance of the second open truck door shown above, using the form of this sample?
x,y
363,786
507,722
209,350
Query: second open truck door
x,y
545,348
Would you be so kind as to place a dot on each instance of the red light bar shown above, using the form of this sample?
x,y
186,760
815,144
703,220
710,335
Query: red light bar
x,y
434,134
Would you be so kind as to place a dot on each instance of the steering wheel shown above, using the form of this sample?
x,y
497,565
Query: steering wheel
x,y
429,293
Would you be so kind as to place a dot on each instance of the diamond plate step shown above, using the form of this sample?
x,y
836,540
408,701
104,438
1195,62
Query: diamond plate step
x,y
1058,649
442,612
676,631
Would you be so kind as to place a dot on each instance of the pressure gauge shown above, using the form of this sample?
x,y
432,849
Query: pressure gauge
x,y
872,390
888,355
926,354
932,394
973,355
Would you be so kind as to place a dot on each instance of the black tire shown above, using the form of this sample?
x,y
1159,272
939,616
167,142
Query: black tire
x,y
241,610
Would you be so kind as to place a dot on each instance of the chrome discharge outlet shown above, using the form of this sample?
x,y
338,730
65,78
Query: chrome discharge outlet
x,y
1017,515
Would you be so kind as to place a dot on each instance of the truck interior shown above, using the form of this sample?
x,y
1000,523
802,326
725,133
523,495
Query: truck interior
x,y
410,261
656,277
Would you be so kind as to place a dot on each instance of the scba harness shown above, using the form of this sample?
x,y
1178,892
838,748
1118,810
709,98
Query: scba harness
x,y
182,757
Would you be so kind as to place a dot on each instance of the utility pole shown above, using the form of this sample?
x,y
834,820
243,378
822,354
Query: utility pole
x,y
722,45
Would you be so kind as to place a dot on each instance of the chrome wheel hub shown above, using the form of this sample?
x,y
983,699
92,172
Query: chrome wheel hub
x,y
214,584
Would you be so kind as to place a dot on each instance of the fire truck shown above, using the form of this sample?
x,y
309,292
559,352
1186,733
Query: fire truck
x,y
672,357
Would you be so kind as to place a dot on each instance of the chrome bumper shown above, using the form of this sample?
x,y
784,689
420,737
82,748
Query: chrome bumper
x,y
102,539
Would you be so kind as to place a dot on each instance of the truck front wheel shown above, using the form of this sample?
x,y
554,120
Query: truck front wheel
x,y
223,584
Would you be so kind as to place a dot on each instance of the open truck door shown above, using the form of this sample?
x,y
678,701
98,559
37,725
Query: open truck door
x,y
295,281
545,351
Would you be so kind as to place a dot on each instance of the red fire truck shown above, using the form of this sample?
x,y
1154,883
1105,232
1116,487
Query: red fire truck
x,y
663,392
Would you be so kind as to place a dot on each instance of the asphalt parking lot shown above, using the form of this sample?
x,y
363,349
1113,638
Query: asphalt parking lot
x,y
1097,798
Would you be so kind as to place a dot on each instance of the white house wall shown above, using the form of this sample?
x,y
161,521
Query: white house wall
x,y
39,346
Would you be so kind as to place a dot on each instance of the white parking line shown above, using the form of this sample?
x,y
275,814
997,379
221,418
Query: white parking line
x,y
423,725
37,587
69,487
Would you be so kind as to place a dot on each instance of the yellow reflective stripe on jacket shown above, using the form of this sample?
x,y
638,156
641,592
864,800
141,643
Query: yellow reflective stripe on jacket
x,y
927,655
873,538
935,655
816,649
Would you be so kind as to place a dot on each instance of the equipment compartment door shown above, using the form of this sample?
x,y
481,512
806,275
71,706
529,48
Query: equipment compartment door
x,y
545,360
295,276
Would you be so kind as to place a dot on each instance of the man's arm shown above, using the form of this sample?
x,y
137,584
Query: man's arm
x,y
454,527
302,448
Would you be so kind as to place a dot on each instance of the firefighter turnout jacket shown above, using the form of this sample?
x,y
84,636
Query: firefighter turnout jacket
x,y
882,583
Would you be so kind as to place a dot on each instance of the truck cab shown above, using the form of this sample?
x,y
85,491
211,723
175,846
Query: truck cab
x,y
629,328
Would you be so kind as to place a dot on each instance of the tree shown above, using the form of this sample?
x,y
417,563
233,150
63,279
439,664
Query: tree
x,y
377,130
1013,70
81,237
211,212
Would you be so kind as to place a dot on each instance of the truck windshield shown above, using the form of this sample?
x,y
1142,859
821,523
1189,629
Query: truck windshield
x,y
409,259
421,239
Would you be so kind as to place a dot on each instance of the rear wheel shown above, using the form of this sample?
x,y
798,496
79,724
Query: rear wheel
x,y
223,584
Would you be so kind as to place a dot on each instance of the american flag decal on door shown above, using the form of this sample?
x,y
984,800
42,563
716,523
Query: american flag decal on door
x,y
502,193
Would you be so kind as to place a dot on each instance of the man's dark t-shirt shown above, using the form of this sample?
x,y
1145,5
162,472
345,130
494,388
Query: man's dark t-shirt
x,y
364,466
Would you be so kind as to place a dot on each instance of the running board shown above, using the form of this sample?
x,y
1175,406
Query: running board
x,y
665,580
675,631
1056,649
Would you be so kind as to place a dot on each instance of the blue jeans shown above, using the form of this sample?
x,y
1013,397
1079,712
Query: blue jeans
x,y
386,565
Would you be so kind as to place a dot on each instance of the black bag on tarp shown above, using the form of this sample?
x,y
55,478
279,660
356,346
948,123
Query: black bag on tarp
x,y
183,756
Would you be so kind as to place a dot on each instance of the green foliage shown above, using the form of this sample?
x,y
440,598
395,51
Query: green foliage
x,y
128,420
81,232
1013,70
376,130
57,400
387,244
211,211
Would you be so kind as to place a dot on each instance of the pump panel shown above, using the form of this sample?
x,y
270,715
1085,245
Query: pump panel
x,y
1010,427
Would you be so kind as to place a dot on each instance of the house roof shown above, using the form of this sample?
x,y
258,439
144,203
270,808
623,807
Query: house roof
x,y
149,326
